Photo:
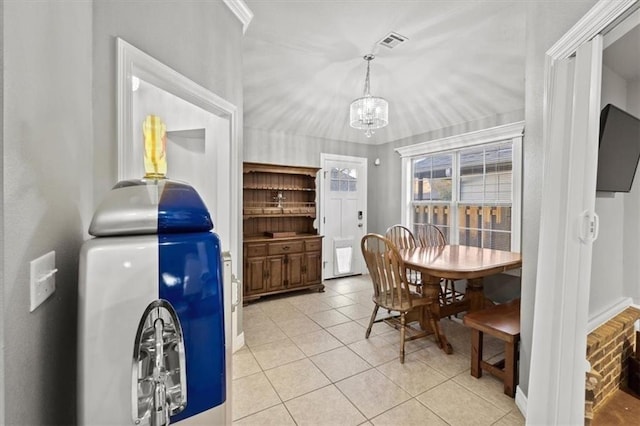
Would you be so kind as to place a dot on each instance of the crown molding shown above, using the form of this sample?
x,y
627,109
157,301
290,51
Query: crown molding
x,y
594,22
242,12
493,134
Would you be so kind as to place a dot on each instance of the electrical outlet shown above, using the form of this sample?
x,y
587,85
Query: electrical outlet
x,y
43,279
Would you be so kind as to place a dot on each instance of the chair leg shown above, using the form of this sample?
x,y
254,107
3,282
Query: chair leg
x,y
373,317
476,353
402,336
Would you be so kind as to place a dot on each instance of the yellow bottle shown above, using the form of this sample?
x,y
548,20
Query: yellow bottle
x,y
155,144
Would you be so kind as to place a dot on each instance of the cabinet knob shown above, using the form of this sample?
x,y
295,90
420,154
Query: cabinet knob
x,y
286,248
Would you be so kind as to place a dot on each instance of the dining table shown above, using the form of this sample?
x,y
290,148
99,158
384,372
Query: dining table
x,y
455,262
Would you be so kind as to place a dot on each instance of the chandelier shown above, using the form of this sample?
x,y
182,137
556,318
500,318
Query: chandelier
x,y
369,112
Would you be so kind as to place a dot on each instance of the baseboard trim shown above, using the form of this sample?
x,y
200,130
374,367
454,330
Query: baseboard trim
x,y
609,313
521,401
238,342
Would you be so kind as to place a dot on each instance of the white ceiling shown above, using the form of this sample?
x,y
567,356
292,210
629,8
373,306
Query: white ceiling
x,y
303,64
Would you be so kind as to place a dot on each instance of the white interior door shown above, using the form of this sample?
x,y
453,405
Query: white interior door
x,y
343,220
567,230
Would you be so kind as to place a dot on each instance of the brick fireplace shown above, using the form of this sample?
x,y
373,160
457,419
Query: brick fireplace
x,y
608,350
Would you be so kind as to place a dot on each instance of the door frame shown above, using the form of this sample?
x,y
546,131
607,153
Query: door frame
x,y
321,225
131,62
556,300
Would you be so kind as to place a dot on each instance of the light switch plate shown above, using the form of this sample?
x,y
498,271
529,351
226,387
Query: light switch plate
x,y
43,279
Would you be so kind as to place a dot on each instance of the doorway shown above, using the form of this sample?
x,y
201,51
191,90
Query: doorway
x,y
343,214
568,223
202,149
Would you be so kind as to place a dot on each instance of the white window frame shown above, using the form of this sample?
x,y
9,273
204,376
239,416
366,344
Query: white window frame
x,y
509,132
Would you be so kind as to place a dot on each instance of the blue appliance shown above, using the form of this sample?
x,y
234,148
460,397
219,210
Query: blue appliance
x,y
151,316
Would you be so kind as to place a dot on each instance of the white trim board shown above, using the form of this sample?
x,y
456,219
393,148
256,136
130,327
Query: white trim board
x,y
608,313
521,401
493,134
603,14
238,342
242,12
621,29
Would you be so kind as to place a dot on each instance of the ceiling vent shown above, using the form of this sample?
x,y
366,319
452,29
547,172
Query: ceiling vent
x,y
392,39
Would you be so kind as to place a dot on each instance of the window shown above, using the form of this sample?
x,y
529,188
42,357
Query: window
x,y
343,180
468,185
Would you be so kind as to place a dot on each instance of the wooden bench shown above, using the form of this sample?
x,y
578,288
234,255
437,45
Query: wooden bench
x,y
502,322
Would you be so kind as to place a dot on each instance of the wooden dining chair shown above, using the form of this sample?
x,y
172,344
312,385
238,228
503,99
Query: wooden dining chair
x,y
390,288
403,238
429,235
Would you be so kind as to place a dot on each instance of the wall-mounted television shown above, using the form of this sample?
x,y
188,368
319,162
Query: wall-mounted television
x,y
619,150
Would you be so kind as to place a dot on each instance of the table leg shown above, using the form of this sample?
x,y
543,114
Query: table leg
x,y
430,319
510,368
475,293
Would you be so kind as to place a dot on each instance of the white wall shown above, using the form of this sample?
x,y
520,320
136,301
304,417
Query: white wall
x,y
47,180
263,146
615,271
60,150
607,275
2,310
631,246
633,97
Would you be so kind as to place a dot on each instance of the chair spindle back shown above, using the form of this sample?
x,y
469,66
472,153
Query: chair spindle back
x,y
429,235
401,236
386,268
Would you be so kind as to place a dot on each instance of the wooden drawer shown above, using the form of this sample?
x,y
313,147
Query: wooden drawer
x,y
285,247
253,250
313,245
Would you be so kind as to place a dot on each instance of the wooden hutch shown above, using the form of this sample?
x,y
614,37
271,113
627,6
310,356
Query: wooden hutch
x,y
282,248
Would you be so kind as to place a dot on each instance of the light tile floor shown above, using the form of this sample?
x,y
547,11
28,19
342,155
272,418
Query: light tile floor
x,y
306,362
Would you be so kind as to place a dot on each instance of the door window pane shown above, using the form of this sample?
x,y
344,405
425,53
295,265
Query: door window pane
x,y
344,180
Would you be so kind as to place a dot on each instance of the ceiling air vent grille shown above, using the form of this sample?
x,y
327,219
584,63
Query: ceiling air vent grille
x,y
392,39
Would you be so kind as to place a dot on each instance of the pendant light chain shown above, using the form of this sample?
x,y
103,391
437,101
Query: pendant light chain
x,y
367,85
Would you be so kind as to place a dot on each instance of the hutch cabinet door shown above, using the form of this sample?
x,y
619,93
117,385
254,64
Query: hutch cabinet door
x,y
313,267
294,270
275,273
255,274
